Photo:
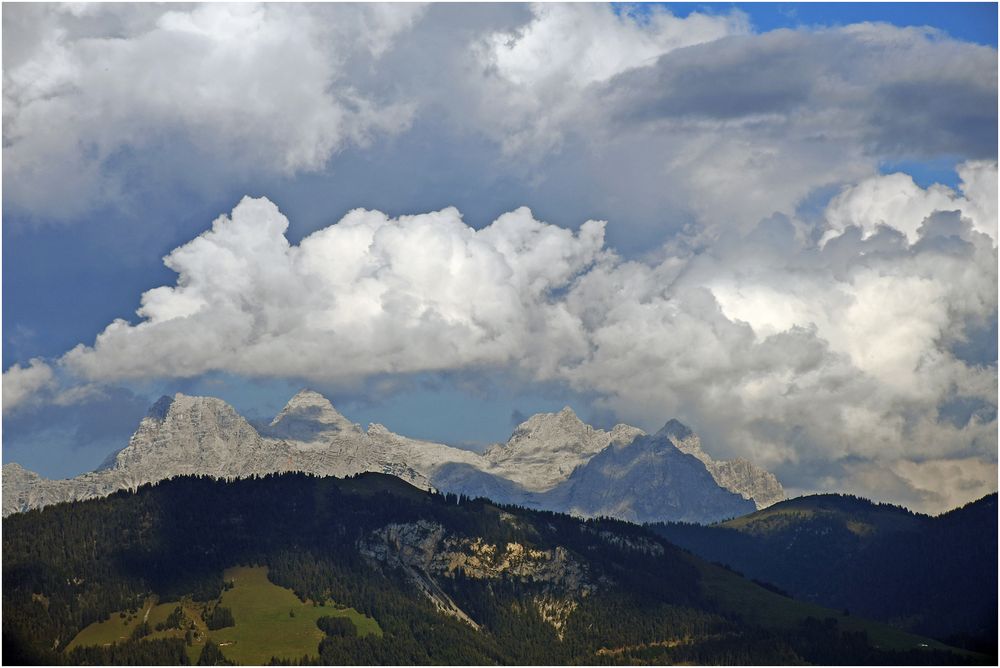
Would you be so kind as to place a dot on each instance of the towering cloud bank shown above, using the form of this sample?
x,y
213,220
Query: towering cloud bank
x,y
761,279
365,296
811,358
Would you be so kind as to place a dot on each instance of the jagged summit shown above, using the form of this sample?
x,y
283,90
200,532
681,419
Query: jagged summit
x,y
646,479
545,448
309,417
674,428
159,410
190,435
378,429
736,475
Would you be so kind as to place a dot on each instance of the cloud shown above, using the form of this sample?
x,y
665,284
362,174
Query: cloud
x,y
807,358
250,89
822,337
817,361
835,84
576,45
657,120
932,486
768,119
895,200
532,88
368,295
21,384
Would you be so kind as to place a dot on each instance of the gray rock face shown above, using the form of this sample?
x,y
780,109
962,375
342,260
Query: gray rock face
x,y
647,480
427,553
310,418
185,435
546,448
552,461
737,475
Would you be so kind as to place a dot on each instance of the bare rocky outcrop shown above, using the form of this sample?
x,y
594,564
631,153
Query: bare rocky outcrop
x,y
648,480
737,475
545,449
309,417
427,553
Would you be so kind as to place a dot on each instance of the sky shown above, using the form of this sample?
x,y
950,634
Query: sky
x,y
776,223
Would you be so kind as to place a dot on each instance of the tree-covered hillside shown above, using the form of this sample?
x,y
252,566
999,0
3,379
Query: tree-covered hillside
x,y
446,579
935,576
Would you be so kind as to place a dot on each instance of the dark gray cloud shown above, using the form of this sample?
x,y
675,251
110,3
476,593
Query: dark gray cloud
x,y
899,92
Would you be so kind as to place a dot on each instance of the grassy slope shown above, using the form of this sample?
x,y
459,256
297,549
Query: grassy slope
x,y
112,629
860,516
264,627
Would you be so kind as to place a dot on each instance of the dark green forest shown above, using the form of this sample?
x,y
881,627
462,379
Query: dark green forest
x,y
936,576
69,565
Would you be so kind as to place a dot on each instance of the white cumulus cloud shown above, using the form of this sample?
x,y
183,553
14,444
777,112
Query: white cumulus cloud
x,y
367,295
824,362
249,88
580,44
21,384
895,200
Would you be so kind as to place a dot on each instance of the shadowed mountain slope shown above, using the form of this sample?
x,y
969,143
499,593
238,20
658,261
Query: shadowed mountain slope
x,y
932,575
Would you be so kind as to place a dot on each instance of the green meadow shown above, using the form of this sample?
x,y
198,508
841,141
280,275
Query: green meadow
x,y
271,621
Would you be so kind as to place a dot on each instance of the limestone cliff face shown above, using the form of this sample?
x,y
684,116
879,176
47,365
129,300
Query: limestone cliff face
x,y
184,435
427,553
553,461
736,475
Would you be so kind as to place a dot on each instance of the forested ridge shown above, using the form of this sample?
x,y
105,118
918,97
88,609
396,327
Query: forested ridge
x,y
935,576
69,565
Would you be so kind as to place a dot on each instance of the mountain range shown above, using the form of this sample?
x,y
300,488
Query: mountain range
x,y
552,461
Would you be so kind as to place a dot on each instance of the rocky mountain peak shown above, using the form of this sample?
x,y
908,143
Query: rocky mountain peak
x,y
309,416
675,429
185,434
736,475
378,429
159,410
545,448
563,421
188,435
182,409
16,472
623,434
647,478
185,403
